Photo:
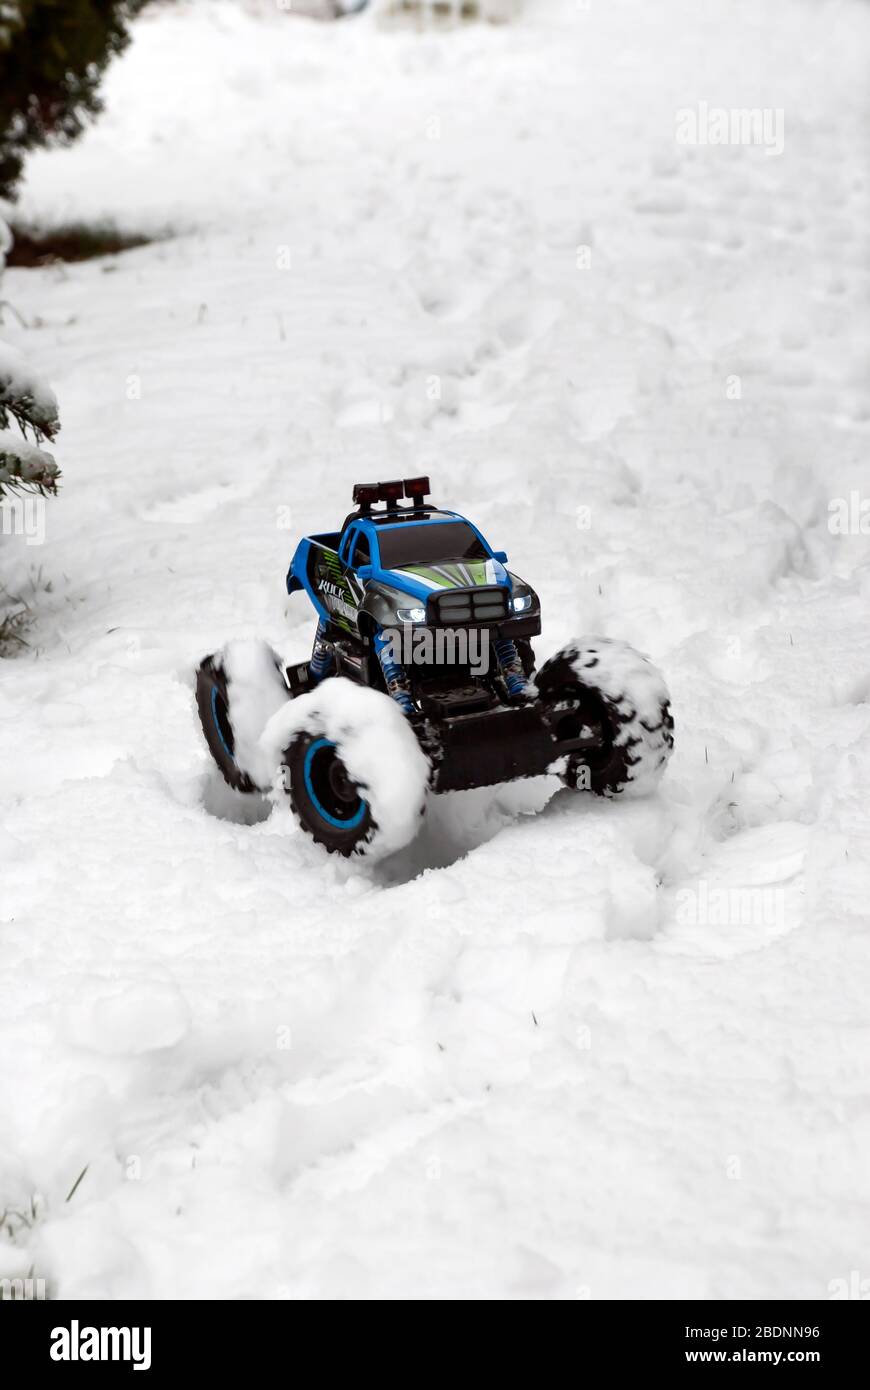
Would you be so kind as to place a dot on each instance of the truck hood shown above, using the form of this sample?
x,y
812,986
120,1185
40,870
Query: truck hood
x,y
422,580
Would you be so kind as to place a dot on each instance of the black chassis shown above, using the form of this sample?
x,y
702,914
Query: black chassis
x,y
474,734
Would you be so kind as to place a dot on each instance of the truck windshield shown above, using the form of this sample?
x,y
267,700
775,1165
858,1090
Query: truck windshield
x,y
429,543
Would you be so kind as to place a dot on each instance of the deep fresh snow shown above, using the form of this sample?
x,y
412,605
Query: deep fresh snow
x,y
559,1048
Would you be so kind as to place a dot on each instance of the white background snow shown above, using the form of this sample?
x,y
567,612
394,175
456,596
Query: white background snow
x,y
533,1055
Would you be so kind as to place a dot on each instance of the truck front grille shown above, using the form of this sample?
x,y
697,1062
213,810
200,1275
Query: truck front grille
x,y
456,607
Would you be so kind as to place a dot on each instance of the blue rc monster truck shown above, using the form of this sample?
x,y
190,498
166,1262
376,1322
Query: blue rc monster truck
x,y
422,679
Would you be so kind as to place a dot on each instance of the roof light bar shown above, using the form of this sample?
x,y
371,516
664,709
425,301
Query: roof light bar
x,y
391,492
417,489
364,494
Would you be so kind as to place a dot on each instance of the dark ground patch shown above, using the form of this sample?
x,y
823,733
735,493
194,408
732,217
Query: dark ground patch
x,y
69,241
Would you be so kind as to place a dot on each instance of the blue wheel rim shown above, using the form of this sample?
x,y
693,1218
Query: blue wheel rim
x,y
217,723
341,823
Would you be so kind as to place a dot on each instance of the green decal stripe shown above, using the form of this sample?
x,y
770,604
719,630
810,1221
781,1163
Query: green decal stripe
x,y
434,576
465,575
455,574
477,571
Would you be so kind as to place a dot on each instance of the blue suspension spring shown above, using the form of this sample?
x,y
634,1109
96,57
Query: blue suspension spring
x,y
510,665
321,654
394,673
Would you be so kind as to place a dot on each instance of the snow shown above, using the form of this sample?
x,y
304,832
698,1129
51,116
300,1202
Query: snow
x,y
376,745
637,692
19,459
551,1048
21,388
256,690
627,676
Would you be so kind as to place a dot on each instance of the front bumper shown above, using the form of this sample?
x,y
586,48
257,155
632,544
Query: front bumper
x,y
500,745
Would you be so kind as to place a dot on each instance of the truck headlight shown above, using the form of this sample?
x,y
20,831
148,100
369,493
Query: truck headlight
x,y
520,604
411,615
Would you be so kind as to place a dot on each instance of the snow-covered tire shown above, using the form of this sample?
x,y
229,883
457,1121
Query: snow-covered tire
x,y
352,768
607,685
238,690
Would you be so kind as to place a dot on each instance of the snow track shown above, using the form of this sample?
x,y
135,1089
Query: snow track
x,y
556,1047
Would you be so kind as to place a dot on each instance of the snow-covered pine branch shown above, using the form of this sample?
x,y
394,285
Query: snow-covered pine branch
x,y
25,400
24,396
25,467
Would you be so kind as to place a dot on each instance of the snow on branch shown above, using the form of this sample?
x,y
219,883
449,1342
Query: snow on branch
x,y
25,467
24,397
